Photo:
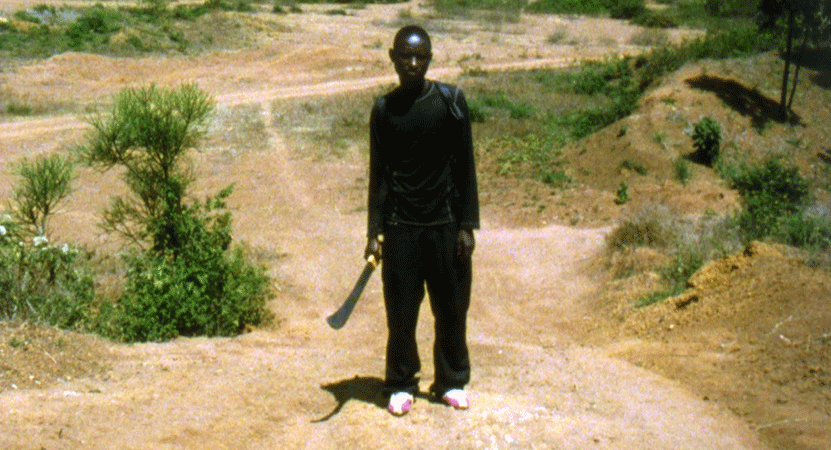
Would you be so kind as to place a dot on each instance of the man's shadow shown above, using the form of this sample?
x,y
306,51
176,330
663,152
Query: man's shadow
x,y
363,389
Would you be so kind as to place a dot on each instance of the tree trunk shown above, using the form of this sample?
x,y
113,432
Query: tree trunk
x,y
783,103
796,72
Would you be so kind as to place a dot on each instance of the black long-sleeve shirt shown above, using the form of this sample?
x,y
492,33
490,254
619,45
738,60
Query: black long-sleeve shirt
x,y
422,170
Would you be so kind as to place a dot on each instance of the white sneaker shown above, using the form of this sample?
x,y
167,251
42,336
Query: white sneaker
x,y
457,398
400,403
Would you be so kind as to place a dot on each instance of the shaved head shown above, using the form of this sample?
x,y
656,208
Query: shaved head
x,y
411,54
411,35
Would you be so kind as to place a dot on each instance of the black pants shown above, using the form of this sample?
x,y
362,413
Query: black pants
x,y
414,257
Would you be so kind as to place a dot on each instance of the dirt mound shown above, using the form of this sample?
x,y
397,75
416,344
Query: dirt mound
x,y
751,331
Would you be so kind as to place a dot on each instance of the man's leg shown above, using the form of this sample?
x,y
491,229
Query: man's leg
x,y
403,294
449,284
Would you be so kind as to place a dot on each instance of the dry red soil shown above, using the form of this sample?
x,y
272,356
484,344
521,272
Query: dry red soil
x,y
561,358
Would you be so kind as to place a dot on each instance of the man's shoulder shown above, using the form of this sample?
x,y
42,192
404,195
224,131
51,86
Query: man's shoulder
x,y
447,89
452,94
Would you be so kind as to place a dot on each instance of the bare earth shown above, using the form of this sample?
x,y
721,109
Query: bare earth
x,y
549,371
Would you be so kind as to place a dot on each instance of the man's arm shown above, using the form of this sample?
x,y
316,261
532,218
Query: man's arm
x,y
377,189
464,174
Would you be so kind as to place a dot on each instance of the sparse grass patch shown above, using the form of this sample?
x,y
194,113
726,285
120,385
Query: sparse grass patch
x,y
689,242
325,127
587,7
650,37
683,170
497,11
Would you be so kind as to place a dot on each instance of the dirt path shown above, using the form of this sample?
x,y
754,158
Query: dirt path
x,y
306,386
303,385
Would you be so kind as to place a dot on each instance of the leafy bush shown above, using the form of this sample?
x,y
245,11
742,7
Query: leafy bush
x,y
197,288
622,193
44,182
771,194
606,78
585,122
805,231
93,27
627,9
188,281
706,140
40,281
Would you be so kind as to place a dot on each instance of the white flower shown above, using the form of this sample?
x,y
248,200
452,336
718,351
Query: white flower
x,y
65,249
40,240
2,230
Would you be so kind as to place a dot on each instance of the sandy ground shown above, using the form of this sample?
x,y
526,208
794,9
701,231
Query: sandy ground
x,y
299,384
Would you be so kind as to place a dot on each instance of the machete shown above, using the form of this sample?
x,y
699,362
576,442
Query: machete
x,y
339,317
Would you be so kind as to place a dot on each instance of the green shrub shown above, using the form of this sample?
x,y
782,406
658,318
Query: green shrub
x,y
40,281
622,193
627,9
634,166
608,78
93,27
771,194
585,122
44,182
809,232
706,140
188,280
198,288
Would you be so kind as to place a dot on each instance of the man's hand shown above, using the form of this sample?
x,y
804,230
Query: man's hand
x,y
373,248
465,243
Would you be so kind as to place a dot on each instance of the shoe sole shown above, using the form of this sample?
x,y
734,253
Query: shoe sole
x,y
455,405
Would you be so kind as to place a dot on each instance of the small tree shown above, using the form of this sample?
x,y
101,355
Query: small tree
x,y
809,20
40,281
187,282
148,133
44,182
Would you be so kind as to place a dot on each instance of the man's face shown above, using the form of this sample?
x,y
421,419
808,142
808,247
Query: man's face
x,y
411,57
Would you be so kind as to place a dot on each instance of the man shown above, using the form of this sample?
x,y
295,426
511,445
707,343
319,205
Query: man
x,y
423,200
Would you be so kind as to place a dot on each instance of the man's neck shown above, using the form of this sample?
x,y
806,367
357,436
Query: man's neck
x,y
416,89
